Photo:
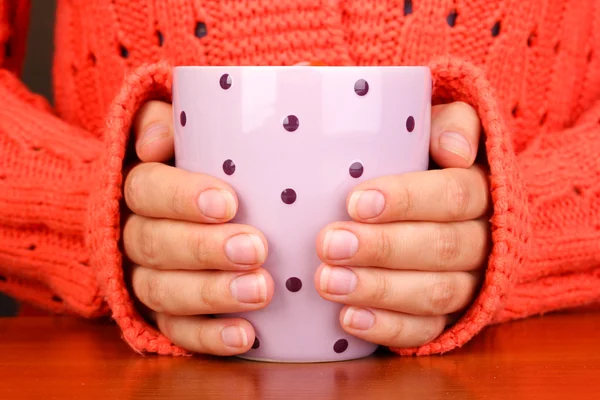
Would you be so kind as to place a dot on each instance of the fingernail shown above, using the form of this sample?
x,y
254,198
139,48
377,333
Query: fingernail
x,y
245,249
155,131
456,143
234,336
217,204
366,204
340,244
359,318
251,288
338,280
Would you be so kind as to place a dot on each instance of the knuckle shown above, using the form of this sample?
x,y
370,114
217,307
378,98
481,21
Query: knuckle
x,y
208,295
156,292
166,325
458,197
201,338
405,201
397,333
447,246
149,244
465,112
176,199
383,249
132,190
432,329
441,296
382,289
199,250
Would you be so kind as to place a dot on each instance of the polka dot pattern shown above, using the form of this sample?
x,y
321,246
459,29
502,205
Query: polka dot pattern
x,y
229,167
291,123
340,346
288,196
410,124
225,82
356,170
293,284
361,87
183,118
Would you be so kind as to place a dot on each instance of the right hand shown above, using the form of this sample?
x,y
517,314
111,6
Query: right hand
x,y
187,263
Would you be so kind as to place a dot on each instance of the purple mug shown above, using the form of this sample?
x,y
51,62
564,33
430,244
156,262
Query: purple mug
x,y
293,142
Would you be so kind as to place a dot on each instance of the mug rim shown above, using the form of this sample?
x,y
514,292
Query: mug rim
x,y
289,67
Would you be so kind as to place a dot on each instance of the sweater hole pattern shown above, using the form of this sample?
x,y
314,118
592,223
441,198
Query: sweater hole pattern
x,y
124,52
515,111
201,30
451,18
2,278
496,29
557,47
160,38
7,49
532,39
408,7
57,299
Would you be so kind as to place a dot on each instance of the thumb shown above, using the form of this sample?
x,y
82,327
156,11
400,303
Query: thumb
x,y
153,128
455,132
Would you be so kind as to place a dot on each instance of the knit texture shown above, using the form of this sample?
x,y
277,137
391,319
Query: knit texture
x,y
531,69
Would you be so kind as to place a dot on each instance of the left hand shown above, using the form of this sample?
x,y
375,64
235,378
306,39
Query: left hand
x,y
414,254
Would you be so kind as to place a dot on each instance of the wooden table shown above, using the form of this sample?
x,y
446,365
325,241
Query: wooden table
x,y
555,356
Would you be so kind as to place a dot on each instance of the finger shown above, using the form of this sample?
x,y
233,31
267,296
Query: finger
x,y
168,244
424,246
153,128
161,191
389,328
455,132
218,336
410,292
452,194
201,292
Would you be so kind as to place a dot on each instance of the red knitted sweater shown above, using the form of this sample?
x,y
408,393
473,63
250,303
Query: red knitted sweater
x,y
530,68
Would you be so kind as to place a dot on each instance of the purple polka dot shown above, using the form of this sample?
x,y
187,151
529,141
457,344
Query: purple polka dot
x,y
293,284
183,118
410,123
229,167
340,346
356,170
291,123
361,87
256,343
288,196
225,81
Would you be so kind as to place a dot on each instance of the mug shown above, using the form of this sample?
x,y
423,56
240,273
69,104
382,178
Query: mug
x,y
293,142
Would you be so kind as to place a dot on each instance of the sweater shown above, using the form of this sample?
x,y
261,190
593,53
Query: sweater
x,y
531,69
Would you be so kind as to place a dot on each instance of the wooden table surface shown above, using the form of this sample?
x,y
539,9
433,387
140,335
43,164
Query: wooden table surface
x,y
555,356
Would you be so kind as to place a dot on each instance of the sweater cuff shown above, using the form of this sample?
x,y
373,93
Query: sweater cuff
x,y
149,82
458,80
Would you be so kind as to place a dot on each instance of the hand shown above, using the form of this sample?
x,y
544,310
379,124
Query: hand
x,y
412,257
186,263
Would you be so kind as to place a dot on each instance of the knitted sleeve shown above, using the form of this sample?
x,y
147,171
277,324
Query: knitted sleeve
x,y
45,171
546,214
60,195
